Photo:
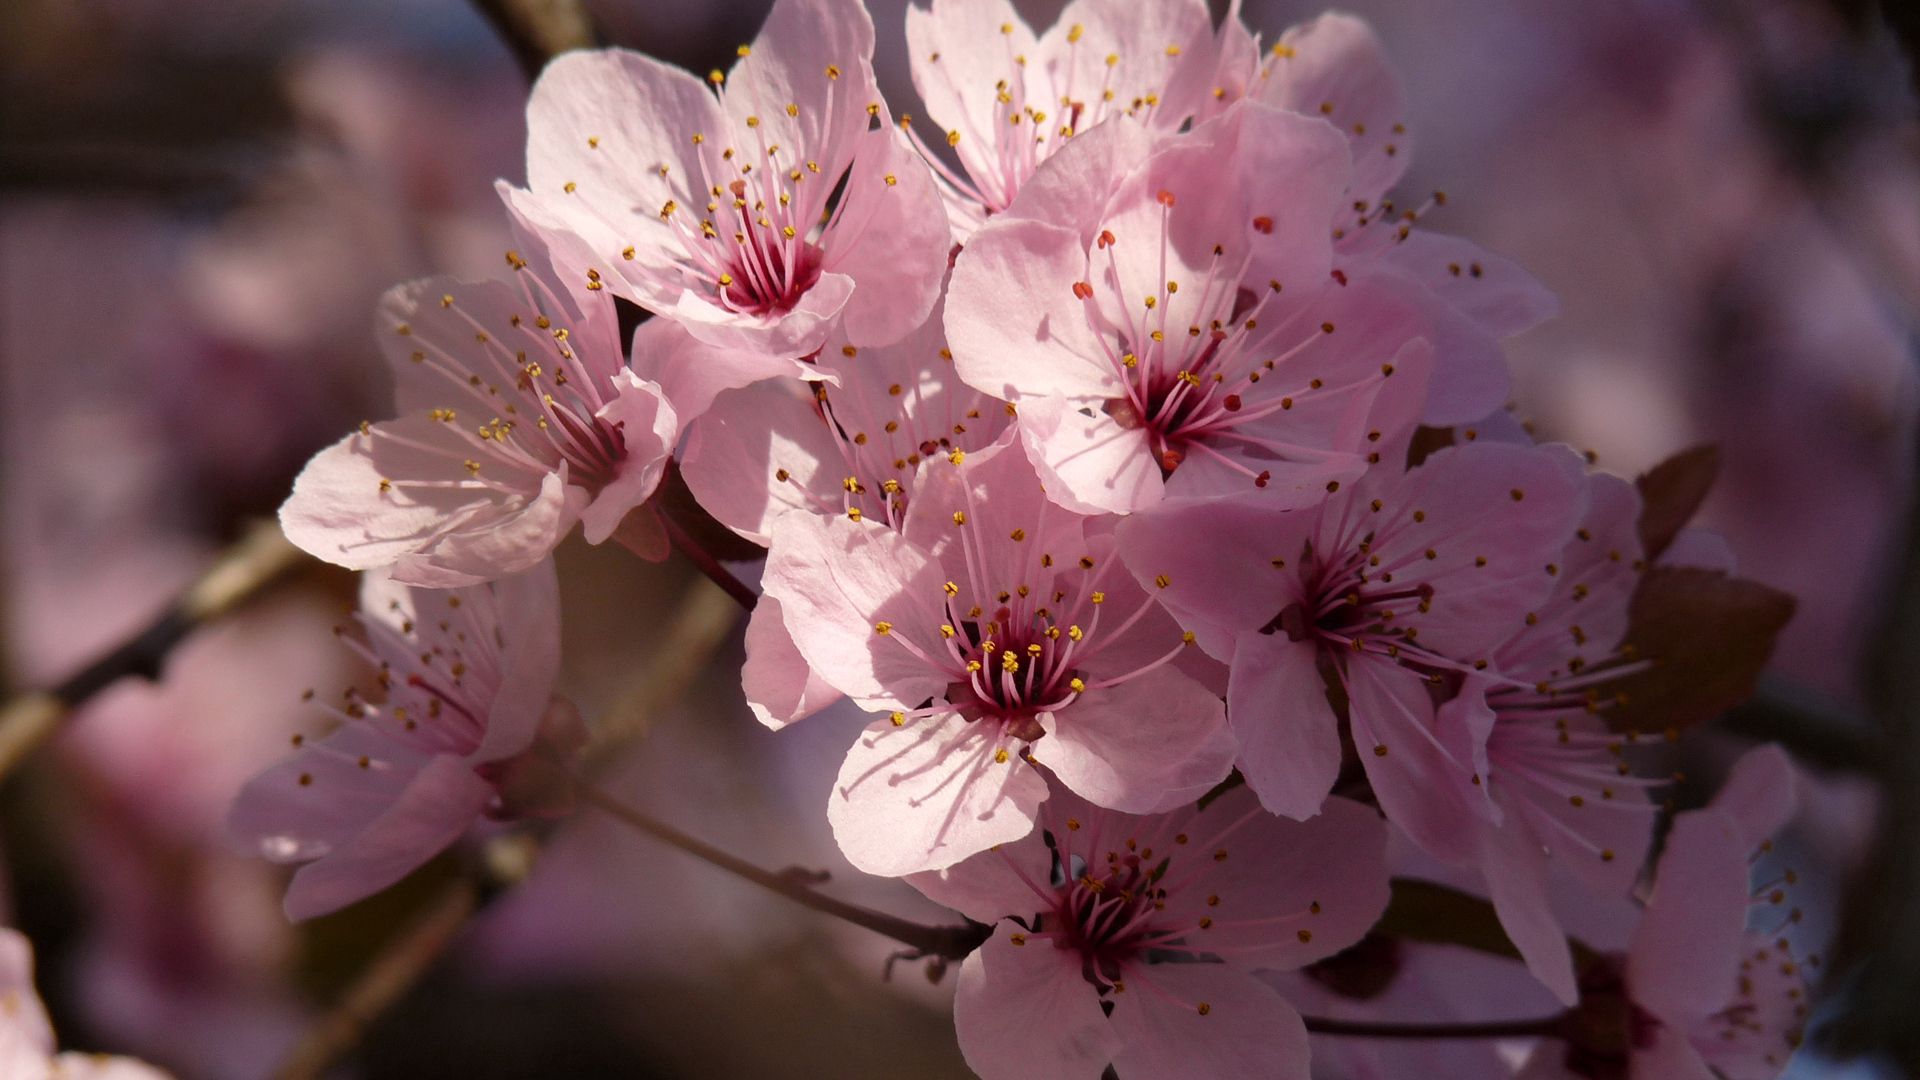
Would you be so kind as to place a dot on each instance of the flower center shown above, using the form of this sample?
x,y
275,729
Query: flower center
x,y
1107,916
767,273
1017,668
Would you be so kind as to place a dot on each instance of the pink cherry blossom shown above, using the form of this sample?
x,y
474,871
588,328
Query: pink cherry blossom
x,y
1336,69
1708,987
1392,588
466,716
1188,340
519,417
1097,915
996,630
1553,768
1008,99
26,1035
851,444
716,209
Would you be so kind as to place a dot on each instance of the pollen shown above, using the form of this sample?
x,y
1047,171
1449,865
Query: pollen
x,y
883,628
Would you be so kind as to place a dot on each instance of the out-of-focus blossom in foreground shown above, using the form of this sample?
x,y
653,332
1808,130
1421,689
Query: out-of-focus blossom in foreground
x,y
1702,991
519,417
26,1036
469,725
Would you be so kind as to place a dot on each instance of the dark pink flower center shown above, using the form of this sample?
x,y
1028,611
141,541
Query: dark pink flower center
x,y
1106,915
1017,670
768,273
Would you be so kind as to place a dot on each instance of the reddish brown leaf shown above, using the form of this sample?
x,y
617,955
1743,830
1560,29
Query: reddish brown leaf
x,y
1706,636
1671,492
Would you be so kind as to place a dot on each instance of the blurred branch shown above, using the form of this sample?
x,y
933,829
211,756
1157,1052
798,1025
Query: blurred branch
x,y
700,623
388,979
703,619
945,942
697,554
246,570
125,168
1879,944
539,30
1816,732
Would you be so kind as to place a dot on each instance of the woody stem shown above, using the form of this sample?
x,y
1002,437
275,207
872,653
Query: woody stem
x,y
946,942
700,557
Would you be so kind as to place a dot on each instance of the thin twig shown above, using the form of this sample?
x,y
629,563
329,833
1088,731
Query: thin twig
x,y
695,630
388,979
538,30
1879,942
947,942
243,572
701,621
684,543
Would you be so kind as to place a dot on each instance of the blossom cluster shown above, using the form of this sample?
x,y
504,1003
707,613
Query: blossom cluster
x,y
1133,455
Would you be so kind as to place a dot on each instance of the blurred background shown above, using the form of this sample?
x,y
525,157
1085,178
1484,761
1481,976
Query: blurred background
x,y
200,201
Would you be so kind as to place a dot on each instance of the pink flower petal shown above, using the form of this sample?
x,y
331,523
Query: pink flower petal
x,y
1205,1021
779,685
1289,893
1289,739
527,614
350,507
1423,774
925,795
1154,742
1012,302
1334,67
1089,464
436,807
1683,963
837,581
893,240
1515,869
1760,794
649,430
1023,1011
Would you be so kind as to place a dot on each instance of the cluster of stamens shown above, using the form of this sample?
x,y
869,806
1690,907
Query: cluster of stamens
x,y
1208,386
529,379
882,438
433,681
1022,132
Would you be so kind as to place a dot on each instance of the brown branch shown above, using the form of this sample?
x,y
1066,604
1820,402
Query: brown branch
x,y
539,30
697,554
699,624
1879,942
388,979
946,942
246,570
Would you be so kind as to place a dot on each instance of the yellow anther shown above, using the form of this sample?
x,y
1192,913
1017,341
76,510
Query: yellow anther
x,y
883,627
